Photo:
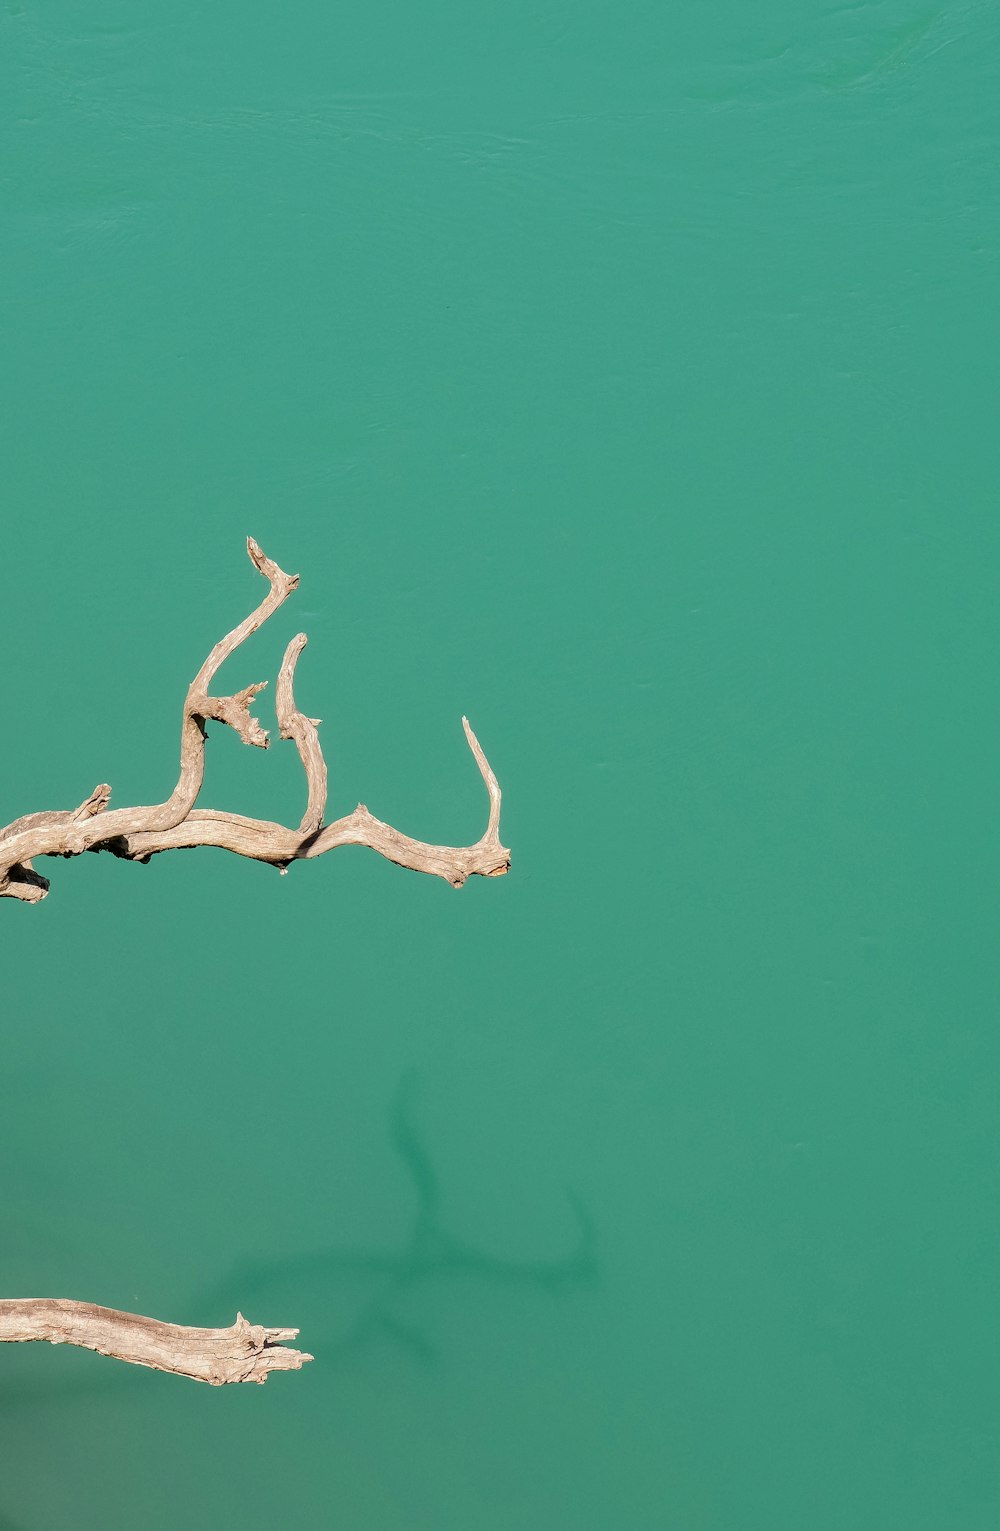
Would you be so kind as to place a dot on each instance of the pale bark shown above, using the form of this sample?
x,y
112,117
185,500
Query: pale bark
x,y
244,1353
136,834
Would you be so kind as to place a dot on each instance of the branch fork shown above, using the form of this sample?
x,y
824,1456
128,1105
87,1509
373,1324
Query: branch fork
x,y
136,834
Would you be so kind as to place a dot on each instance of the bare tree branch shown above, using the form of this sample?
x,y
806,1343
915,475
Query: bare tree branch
x,y
293,724
244,1353
138,833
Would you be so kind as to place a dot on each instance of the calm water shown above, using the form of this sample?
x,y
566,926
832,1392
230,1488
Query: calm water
x,y
626,379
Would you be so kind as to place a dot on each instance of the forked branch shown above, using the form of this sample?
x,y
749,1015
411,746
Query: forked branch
x,y
136,834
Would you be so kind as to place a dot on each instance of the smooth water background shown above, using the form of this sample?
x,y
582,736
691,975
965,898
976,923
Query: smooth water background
x,y
625,378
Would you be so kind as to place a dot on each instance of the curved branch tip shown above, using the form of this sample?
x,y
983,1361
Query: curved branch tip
x,y
269,568
492,785
295,725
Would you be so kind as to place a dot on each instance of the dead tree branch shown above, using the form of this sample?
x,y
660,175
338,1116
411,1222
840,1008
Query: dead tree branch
x,y
136,834
243,1353
293,724
246,1352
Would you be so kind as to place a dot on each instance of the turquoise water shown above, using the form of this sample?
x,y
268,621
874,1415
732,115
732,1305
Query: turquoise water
x,y
626,380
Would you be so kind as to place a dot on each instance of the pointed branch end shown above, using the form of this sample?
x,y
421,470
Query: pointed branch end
x,y
293,724
95,803
247,726
285,696
278,1358
268,1351
492,835
258,557
234,711
269,569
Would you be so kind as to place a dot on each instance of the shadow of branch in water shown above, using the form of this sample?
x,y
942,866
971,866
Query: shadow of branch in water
x,y
390,1277
387,1279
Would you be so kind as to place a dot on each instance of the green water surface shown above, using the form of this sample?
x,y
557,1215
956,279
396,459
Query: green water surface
x,y
625,377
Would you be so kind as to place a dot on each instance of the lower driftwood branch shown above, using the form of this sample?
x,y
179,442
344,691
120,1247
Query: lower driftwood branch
x,y
243,1353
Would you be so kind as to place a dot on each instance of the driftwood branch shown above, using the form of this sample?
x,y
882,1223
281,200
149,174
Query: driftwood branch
x,y
136,834
292,724
244,1353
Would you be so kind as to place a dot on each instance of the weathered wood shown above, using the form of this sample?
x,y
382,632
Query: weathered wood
x,y
292,724
243,1353
246,1352
138,833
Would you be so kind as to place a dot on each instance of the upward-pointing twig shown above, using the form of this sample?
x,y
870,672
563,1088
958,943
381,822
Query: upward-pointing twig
x,y
295,725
